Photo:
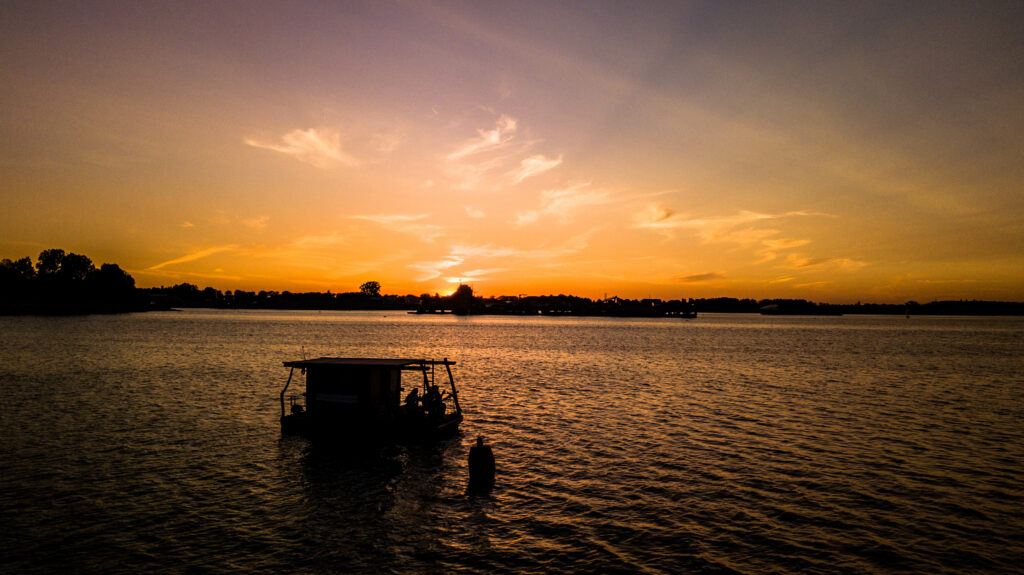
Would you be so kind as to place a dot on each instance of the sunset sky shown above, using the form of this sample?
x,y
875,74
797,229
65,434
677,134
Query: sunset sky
x,y
829,151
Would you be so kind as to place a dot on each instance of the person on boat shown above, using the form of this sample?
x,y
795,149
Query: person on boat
x,y
433,402
413,399
481,464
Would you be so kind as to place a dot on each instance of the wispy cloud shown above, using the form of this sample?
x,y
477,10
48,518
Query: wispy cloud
x,y
798,261
527,218
186,224
194,256
327,253
469,276
318,147
480,256
256,223
560,203
744,229
474,212
495,158
657,216
432,270
405,223
699,278
486,140
181,274
534,165
320,240
484,174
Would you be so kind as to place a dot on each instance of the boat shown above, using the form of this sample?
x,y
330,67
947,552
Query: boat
x,y
366,400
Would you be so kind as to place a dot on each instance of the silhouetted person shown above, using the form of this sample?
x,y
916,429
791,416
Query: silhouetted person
x,y
433,402
481,465
413,399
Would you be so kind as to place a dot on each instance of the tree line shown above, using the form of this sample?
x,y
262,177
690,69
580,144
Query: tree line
x,y
66,283
69,283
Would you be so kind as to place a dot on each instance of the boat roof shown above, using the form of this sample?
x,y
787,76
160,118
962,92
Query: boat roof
x,y
364,362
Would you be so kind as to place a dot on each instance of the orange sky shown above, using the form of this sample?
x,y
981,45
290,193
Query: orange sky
x,y
671,150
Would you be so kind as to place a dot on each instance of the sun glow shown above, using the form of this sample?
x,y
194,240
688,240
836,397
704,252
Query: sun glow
x,y
753,163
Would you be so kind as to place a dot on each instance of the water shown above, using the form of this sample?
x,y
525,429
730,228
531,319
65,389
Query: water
x,y
726,444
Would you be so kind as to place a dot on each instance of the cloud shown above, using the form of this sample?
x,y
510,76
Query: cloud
x,y
474,212
527,218
570,246
480,255
560,203
699,278
495,159
475,176
534,165
325,252
180,274
194,256
405,223
433,269
474,275
741,229
320,241
657,216
798,261
187,224
501,134
464,252
317,147
256,223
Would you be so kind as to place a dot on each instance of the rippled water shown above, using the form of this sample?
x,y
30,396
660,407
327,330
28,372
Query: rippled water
x,y
725,444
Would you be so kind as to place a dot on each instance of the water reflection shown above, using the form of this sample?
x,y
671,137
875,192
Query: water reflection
x,y
371,507
152,443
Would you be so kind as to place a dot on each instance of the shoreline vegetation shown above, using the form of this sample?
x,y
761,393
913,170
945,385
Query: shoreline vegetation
x,y
62,283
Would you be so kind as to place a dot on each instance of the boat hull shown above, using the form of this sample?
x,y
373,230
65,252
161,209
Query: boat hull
x,y
403,430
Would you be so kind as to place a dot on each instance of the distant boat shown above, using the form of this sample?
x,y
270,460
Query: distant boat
x,y
360,400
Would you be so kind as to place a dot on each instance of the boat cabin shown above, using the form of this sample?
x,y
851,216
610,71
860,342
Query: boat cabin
x,y
369,395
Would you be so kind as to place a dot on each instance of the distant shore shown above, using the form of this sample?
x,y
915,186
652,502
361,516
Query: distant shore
x,y
61,283
187,295
521,306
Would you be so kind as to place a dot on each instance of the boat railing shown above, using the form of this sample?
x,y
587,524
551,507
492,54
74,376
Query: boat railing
x,y
449,394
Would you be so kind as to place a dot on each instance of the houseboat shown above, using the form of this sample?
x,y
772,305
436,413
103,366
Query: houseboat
x,y
366,399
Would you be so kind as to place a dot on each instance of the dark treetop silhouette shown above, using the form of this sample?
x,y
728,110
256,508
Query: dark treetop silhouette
x,y
69,283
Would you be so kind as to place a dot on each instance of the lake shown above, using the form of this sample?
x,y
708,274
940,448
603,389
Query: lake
x,y
726,444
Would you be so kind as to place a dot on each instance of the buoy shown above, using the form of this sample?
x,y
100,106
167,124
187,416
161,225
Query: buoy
x,y
481,464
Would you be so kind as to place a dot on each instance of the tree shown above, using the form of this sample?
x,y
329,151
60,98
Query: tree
x,y
76,267
16,277
371,288
463,293
49,261
462,301
21,268
111,281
